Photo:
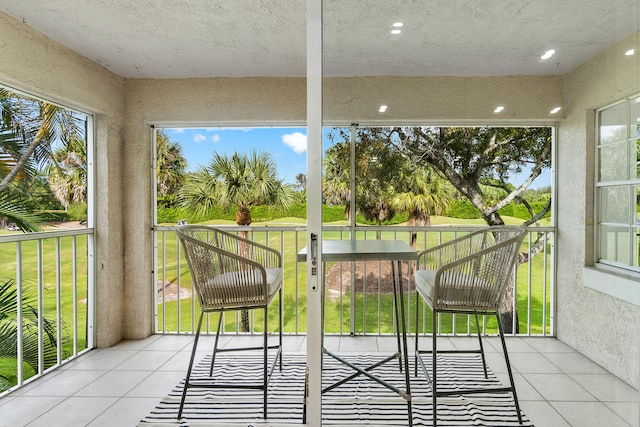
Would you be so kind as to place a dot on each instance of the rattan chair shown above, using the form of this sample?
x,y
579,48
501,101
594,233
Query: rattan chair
x,y
468,275
232,273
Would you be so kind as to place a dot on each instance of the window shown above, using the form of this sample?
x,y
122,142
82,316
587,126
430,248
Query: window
x,y
618,184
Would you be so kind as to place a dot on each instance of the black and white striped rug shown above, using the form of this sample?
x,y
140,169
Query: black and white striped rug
x,y
358,402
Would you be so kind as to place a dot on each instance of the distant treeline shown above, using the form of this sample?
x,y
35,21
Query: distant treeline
x,y
462,209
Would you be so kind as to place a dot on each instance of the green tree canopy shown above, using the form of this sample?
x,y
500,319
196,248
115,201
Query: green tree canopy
x,y
241,180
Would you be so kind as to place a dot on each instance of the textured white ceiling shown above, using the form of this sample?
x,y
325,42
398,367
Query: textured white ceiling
x,y
246,38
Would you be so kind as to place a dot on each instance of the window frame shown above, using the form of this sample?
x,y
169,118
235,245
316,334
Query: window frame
x,y
630,183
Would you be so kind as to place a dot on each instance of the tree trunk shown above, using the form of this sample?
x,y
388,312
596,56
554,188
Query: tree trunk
x,y
244,314
244,321
507,313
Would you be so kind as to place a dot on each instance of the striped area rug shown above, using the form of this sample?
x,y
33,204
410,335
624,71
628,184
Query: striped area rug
x,y
358,402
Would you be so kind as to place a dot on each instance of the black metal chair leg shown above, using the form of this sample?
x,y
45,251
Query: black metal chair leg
x,y
193,355
265,349
434,384
417,349
484,362
506,359
215,345
281,320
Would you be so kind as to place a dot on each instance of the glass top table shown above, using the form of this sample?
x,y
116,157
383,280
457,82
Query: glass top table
x,y
394,251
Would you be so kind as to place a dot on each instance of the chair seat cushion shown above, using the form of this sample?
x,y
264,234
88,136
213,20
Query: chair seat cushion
x,y
425,282
244,283
466,292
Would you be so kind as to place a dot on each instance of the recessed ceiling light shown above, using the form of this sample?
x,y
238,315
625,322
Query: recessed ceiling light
x,y
382,108
630,52
395,31
548,54
498,109
555,110
398,24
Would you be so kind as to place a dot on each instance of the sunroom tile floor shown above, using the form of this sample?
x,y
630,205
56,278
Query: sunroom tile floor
x,y
118,386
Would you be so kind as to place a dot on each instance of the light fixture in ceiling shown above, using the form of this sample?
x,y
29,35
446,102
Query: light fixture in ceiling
x,y
630,52
498,109
382,109
396,27
555,110
548,54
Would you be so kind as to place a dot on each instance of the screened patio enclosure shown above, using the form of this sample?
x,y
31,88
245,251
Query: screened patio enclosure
x,y
131,65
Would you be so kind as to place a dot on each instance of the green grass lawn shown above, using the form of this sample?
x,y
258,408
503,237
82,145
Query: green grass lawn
x,y
374,313
379,308
55,257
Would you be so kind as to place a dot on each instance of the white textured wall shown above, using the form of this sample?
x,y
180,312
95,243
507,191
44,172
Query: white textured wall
x,y
604,328
34,64
282,101
182,102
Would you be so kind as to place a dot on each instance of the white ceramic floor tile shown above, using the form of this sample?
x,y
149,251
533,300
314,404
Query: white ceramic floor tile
x,y
158,384
575,363
6,399
532,363
558,387
293,343
524,390
145,360
180,361
607,387
497,363
36,383
548,345
125,412
160,363
102,360
359,344
425,342
471,343
628,411
171,342
21,410
114,384
542,414
66,383
332,342
514,345
74,411
135,344
588,414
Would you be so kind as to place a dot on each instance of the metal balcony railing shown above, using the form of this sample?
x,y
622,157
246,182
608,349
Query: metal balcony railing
x,y
46,295
358,298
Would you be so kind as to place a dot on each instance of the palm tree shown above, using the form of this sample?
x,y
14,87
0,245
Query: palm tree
x,y
424,192
67,175
29,131
239,180
170,165
9,331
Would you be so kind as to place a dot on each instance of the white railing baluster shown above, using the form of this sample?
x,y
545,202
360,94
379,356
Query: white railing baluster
x,y
40,310
46,268
74,293
427,236
58,303
19,346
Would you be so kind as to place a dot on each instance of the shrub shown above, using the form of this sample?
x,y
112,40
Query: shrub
x,y
77,212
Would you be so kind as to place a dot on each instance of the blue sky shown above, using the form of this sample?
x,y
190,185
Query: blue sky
x,y
288,146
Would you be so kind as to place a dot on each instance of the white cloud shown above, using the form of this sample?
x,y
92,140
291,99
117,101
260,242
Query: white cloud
x,y
198,137
215,138
296,141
